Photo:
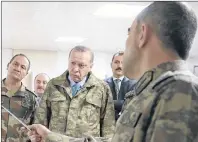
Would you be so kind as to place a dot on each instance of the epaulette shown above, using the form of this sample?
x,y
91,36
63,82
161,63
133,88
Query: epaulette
x,y
29,91
34,97
143,82
166,79
130,94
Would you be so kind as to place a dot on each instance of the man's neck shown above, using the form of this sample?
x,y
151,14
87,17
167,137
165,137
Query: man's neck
x,y
153,61
117,76
12,84
82,82
39,94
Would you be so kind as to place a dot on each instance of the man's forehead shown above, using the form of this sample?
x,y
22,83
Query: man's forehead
x,y
20,59
42,77
134,23
118,57
74,52
81,57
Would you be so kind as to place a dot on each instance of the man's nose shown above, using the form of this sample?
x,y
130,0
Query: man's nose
x,y
17,68
119,64
76,68
40,84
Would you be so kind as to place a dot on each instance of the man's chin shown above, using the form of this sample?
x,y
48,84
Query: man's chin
x,y
15,77
76,79
119,74
40,91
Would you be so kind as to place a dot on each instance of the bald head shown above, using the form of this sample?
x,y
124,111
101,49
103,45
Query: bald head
x,y
40,83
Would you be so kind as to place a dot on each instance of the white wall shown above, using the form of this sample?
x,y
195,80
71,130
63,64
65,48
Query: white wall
x,y
54,63
6,56
192,61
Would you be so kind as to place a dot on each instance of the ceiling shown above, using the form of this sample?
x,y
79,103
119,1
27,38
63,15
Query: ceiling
x,y
37,25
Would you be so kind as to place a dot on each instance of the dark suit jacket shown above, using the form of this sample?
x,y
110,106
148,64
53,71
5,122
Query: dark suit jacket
x,y
126,86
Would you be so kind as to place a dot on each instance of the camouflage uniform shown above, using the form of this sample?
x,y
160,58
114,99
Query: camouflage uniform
x,y
55,137
162,108
21,104
90,111
38,100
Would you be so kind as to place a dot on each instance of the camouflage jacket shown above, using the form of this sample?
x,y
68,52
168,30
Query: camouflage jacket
x,y
21,104
162,108
90,111
55,137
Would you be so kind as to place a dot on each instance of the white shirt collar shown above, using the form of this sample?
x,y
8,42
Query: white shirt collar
x,y
81,83
121,78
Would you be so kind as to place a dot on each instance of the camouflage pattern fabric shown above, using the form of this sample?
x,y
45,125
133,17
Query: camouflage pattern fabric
x,y
22,105
162,108
90,111
55,137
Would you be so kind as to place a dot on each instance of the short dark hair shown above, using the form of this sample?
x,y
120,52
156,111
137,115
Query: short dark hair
x,y
120,53
23,56
81,48
174,24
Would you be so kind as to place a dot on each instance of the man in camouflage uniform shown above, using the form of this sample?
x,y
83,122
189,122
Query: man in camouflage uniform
x,y
40,84
163,107
16,98
86,110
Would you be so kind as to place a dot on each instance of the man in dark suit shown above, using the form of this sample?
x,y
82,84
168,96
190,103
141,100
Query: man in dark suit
x,y
119,84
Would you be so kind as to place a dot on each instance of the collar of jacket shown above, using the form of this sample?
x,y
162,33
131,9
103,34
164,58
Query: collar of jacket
x,y
62,80
154,73
22,87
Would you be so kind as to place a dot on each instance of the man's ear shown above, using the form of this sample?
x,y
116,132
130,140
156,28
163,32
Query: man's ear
x,y
143,35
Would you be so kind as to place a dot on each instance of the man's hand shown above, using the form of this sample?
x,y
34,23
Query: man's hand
x,y
38,132
35,137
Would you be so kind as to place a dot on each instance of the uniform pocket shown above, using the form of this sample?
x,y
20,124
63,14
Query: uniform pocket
x,y
96,102
91,109
59,109
59,105
21,107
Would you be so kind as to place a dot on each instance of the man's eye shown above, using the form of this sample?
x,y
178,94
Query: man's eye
x,y
15,63
73,63
129,30
81,65
23,67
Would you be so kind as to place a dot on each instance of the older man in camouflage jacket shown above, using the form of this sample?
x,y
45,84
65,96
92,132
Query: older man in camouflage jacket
x,y
78,103
16,98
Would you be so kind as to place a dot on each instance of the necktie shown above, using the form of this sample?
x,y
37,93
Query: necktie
x,y
75,89
117,88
